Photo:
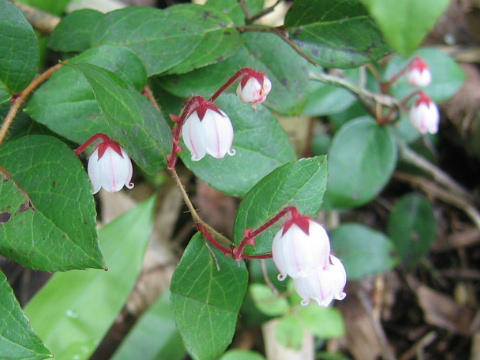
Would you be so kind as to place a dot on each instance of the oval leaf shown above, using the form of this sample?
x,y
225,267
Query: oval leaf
x,y
333,34
17,339
363,251
74,31
362,158
134,122
66,102
289,332
413,228
207,293
74,311
51,213
179,39
324,323
18,49
261,145
301,184
266,301
406,23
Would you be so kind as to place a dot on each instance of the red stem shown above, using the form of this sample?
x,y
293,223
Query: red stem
x,y
95,137
384,86
230,82
206,234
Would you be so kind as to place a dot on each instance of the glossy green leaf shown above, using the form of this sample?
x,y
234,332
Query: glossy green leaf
x,y
362,158
447,75
266,301
74,311
154,335
324,323
237,354
234,10
47,198
261,145
17,339
66,103
260,51
133,120
18,49
412,227
363,251
301,183
207,293
335,33
74,31
406,23
289,332
178,39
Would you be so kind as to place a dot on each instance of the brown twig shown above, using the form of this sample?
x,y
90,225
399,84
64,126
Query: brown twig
x,y
23,96
252,18
149,95
40,20
194,213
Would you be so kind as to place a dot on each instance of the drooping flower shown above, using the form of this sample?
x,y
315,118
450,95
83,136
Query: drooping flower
x,y
208,130
424,115
323,285
254,88
299,247
109,167
418,73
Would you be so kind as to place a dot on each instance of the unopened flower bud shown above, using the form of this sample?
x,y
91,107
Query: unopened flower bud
x,y
323,285
419,74
109,167
208,129
424,115
299,247
254,88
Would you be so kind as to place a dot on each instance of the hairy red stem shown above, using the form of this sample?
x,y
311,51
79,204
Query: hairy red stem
x,y
87,143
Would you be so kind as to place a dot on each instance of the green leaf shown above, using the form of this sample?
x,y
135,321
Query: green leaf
x,y
48,201
207,293
362,158
266,301
66,102
301,183
413,228
74,31
133,120
154,335
363,251
17,339
335,33
324,323
56,7
447,76
241,355
260,51
327,99
406,23
261,145
74,311
234,10
289,332
18,49
178,39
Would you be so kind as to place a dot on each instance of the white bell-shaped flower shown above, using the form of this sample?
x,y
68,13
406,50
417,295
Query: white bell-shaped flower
x,y
254,88
208,131
323,285
419,74
109,167
299,247
424,115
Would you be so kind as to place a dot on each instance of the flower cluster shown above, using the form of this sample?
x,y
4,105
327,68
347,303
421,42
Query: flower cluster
x,y
301,250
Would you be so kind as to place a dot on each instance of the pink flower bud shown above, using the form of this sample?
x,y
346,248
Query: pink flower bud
x,y
254,88
109,167
323,285
418,74
299,247
424,115
208,129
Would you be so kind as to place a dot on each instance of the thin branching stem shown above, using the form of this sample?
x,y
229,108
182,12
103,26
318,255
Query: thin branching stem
x,y
17,104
